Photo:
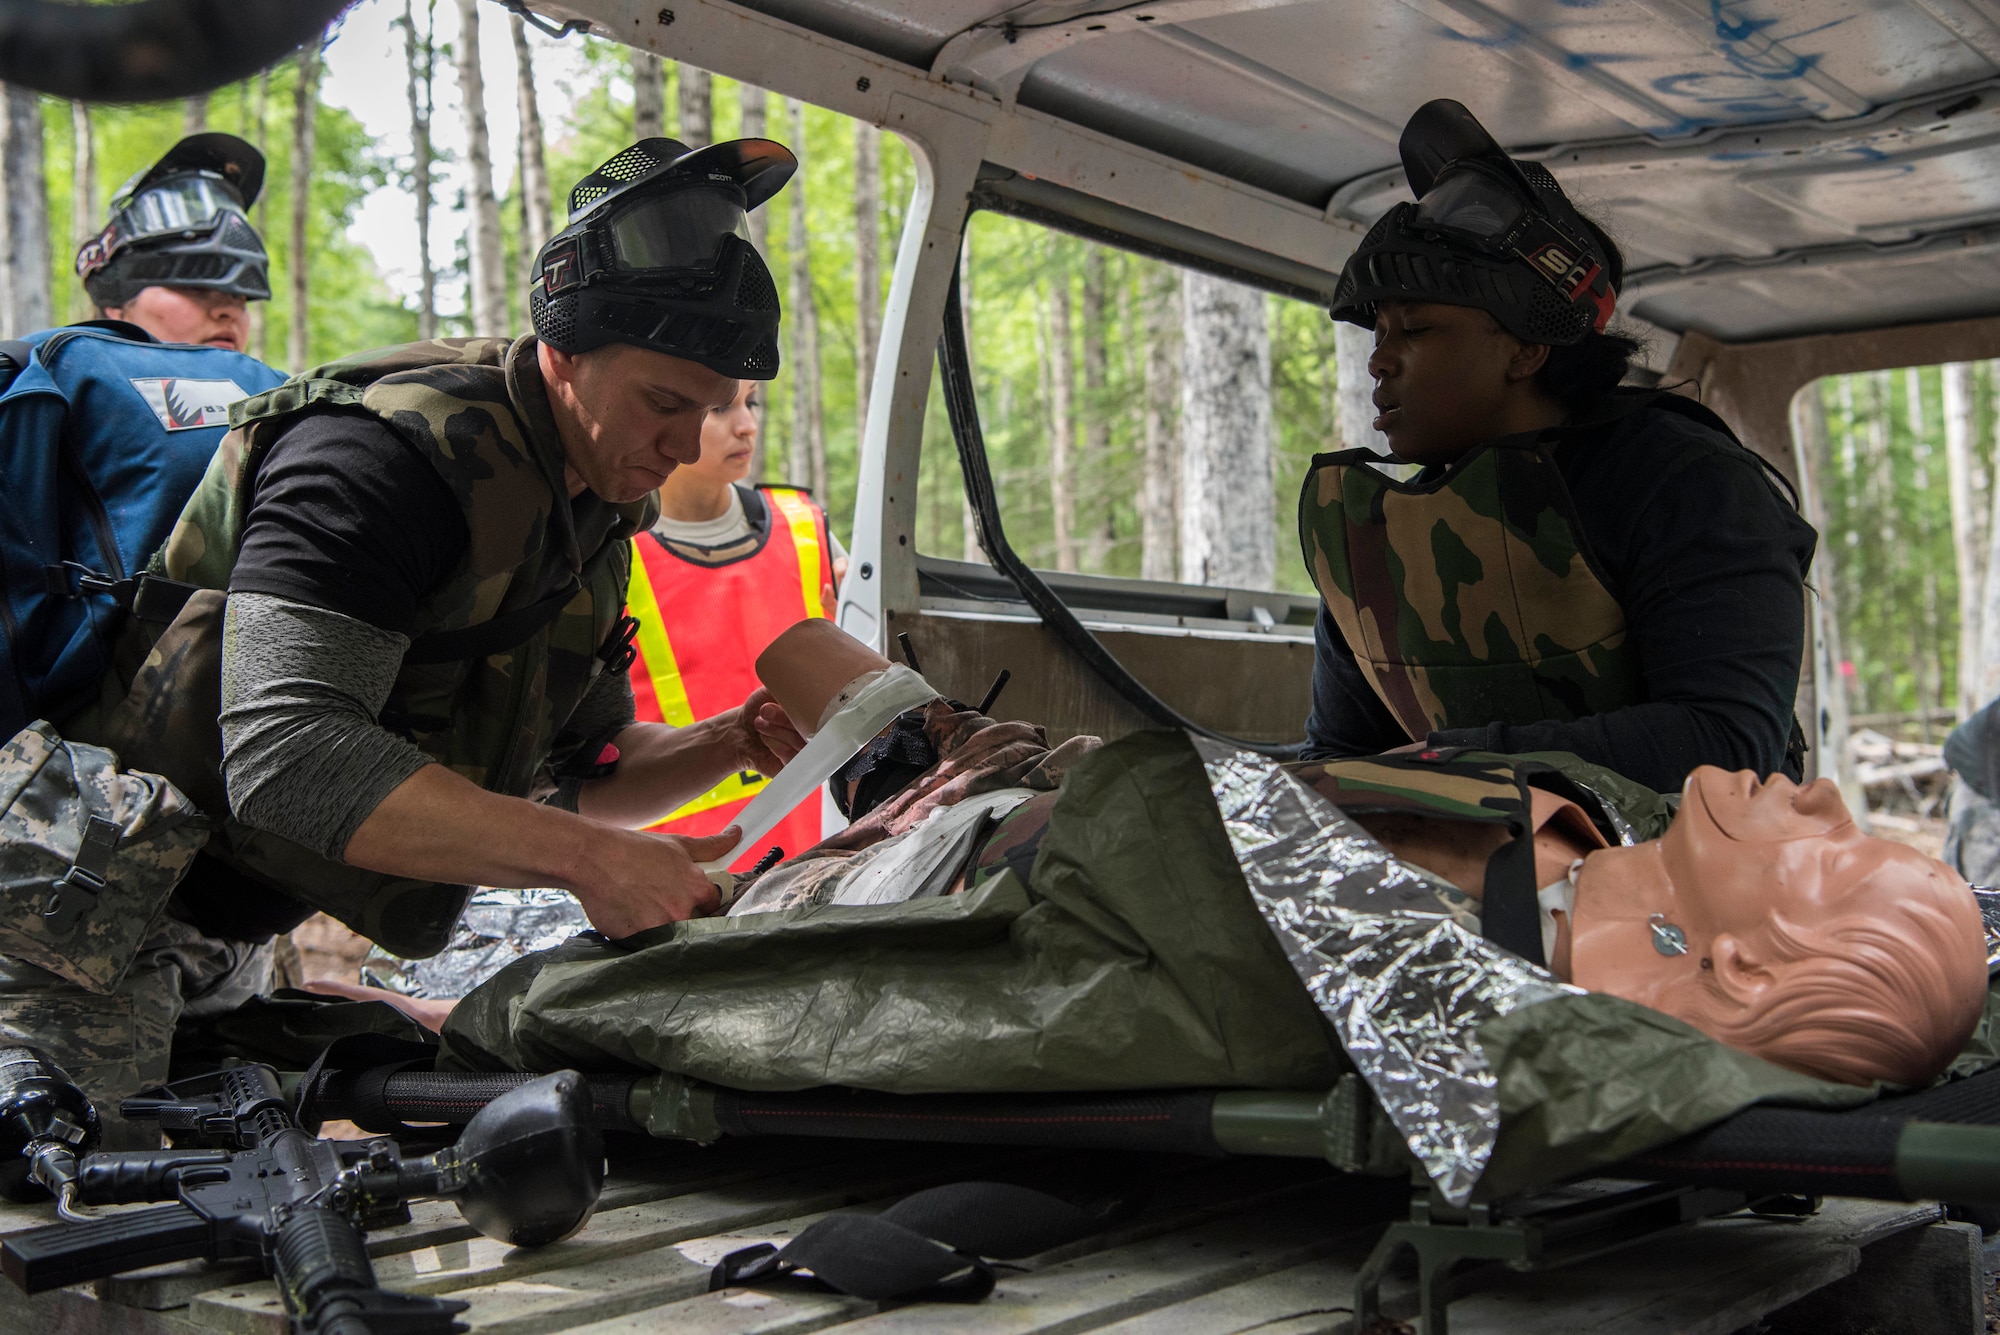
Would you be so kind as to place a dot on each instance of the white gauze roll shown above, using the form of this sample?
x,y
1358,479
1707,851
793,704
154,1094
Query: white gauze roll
x,y
863,708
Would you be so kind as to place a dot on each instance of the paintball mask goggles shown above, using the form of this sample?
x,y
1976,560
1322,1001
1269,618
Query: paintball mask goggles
x,y
1486,231
657,253
182,223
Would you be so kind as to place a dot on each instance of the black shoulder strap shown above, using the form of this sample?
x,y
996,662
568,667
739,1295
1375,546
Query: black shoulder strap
x,y
507,631
14,355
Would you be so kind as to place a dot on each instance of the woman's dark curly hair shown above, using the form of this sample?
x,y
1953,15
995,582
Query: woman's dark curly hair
x,y
1577,374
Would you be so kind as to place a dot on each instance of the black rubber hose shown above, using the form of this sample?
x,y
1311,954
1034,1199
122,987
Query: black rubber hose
x,y
452,1098
151,50
962,407
1175,1121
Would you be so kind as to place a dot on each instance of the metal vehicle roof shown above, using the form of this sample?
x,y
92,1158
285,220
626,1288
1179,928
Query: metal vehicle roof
x,y
1771,167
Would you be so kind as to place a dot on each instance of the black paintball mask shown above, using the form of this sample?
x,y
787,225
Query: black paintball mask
x,y
1487,231
183,222
657,253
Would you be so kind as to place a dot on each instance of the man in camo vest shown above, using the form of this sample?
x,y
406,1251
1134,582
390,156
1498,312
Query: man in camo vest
x,y
400,671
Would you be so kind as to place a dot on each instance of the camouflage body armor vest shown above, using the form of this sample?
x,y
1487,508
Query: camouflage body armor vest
x,y
1469,599
502,650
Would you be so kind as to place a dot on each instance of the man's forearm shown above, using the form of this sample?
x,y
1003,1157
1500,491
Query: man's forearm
x,y
440,826
660,768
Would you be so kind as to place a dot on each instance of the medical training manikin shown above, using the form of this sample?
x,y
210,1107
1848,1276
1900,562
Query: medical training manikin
x,y
1008,916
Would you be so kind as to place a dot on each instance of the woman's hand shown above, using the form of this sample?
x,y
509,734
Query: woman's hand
x,y
763,735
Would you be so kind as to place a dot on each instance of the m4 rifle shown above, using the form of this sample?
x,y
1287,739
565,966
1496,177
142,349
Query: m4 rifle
x,y
255,1187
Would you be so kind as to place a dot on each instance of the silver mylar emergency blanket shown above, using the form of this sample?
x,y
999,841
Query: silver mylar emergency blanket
x,y
1405,985
499,927
1989,916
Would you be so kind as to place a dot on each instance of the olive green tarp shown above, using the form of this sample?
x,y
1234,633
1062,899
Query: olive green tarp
x,y
1132,958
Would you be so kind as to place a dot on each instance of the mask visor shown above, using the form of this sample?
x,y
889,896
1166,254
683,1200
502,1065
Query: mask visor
x,y
1472,204
681,230
174,208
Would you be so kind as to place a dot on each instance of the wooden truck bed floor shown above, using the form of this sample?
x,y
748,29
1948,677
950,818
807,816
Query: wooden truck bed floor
x,y
1230,1246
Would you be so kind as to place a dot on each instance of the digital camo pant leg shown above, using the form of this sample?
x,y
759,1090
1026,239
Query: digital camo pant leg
x,y
116,1043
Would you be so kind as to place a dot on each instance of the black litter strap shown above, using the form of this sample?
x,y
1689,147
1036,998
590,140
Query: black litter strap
x,y
962,408
1974,1101
935,1246
1786,1150
1167,1122
1847,1153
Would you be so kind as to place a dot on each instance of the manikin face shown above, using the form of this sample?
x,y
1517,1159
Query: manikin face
x,y
630,416
1446,378
1741,852
189,315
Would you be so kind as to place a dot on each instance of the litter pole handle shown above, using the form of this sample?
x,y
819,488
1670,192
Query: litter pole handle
x,y
64,1254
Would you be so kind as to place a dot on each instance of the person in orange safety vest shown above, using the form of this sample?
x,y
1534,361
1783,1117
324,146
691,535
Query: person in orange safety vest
x,y
726,569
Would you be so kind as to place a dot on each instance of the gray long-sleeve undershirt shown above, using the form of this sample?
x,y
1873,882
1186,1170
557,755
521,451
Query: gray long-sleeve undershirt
x,y
302,754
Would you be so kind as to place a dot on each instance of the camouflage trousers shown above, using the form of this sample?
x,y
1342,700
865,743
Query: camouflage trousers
x,y
113,1044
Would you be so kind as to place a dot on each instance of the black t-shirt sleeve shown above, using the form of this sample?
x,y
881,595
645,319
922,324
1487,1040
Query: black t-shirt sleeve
x,y
1348,718
348,516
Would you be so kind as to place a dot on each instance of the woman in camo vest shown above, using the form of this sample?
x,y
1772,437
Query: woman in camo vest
x,y
1577,566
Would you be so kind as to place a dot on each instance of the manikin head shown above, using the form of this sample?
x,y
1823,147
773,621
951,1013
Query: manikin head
x,y
1808,943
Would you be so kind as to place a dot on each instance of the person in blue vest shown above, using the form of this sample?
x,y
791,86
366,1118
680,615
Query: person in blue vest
x,y
107,425
178,256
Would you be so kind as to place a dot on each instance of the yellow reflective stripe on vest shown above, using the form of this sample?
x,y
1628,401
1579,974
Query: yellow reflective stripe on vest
x,y
805,541
732,789
644,607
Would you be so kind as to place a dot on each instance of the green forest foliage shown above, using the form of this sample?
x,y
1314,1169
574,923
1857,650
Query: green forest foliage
x,y
1889,539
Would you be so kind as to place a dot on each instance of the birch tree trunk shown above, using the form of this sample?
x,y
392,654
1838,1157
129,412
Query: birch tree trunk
x,y
752,100
1354,405
305,144
260,314
697,107
194,114
1100,531
867,266
25,304
1060,368
649,96
1968,537
419,67
808,461
1829,686
536,227
1159,526
1986,681
488,303
969,547
84,221
1228,528
751,103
